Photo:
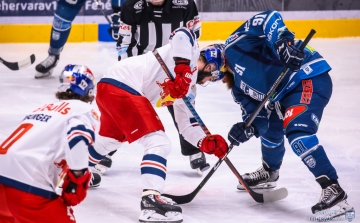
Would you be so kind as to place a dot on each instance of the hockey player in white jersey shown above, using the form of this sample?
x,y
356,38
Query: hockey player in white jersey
x,y
126,95
44,161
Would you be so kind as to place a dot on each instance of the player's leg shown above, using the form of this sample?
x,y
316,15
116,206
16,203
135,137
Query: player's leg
x,y
65,13
138,121
155,207
196,157
273,150
304,109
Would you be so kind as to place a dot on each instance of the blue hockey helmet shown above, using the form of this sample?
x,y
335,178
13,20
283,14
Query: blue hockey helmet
x,y
214,56
77,78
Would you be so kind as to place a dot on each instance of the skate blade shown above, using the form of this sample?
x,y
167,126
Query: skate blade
x,y
150,216
39,75
199,172
100,169
344,210
259,187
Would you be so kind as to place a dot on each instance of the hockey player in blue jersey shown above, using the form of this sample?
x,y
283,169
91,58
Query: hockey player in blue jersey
x,y
256,53
65,13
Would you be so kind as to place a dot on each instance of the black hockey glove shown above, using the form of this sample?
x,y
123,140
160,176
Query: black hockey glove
x,y
239,134
288,54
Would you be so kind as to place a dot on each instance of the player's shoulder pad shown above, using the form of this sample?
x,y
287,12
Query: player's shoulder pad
x,y
186,31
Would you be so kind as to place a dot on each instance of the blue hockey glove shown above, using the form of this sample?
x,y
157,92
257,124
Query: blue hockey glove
x,y
288,54
239,134
115,24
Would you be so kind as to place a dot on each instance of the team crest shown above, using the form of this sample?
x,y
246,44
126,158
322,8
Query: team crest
x,y
310,161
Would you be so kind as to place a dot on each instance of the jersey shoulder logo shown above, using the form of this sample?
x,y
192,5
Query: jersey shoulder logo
x,y
180,2
138,5
165,97
231,38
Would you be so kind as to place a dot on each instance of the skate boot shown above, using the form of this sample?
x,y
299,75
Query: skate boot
x,y
103,165
332,194
262,178
46,67
156,208
95,180
198,161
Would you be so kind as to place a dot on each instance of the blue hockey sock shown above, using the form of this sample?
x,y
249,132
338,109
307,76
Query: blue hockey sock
x,y
319,164
272,152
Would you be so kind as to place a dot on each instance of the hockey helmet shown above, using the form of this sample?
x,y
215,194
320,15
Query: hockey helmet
x,y
215,59
77,78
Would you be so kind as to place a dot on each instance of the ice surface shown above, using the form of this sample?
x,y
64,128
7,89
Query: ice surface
x,y
117,200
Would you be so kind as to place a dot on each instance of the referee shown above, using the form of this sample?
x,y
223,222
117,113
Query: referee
x,y
146,25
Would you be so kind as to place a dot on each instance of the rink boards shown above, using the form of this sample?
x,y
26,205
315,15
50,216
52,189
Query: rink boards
x,y
215,26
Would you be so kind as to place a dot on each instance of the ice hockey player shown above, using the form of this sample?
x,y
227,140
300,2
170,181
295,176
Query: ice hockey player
x,y
256,54
64,15
152,23
125,96
44,161
144,26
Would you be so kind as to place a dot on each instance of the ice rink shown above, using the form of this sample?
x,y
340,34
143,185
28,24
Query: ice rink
x,y
117,200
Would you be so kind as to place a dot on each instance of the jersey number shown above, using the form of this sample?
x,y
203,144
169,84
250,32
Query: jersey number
x,y
258,20
16,135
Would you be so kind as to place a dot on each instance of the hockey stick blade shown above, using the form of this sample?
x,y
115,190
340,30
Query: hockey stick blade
x,y
268,196
19,65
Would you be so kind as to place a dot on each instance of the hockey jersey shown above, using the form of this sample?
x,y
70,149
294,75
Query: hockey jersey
x,y
252,57
144,74
48,141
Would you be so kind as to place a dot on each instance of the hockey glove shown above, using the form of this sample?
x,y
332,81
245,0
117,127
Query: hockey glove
x,y
180,86
217,146
239,134
115,24
74,188
289,55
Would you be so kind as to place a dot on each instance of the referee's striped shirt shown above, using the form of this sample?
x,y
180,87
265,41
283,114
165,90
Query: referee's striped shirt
x,y
144,27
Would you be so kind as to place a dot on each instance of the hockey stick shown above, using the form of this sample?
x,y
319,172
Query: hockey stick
x,y
19,65
268,196
102,11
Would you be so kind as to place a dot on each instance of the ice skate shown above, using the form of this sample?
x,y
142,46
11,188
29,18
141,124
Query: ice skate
x,y
46,67
262,178
160,209
198,162
95,180
332,195
103,165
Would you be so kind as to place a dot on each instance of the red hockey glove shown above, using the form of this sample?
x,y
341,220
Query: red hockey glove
x,y
180,86
74,188
218,146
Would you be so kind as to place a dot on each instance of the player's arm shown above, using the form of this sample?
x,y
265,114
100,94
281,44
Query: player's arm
x,y
238,132
281,41
80,139
192,19
182,42
190,129
127,40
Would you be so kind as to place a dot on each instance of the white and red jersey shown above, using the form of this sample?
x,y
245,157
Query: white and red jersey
x,y
50,139
144,74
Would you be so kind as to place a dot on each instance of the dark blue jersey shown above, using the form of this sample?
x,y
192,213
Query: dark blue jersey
x,y
252,57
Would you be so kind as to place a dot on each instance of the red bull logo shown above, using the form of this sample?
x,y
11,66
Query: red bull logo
x,y
165,97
